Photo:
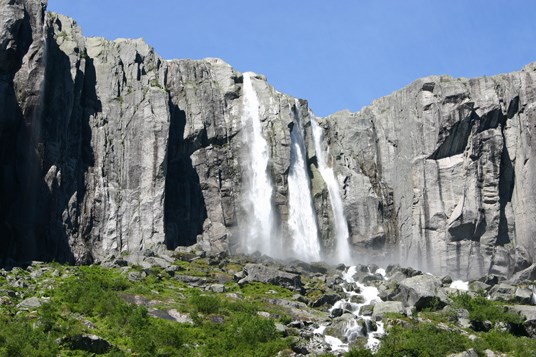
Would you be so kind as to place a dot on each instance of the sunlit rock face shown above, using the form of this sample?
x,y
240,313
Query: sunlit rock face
x,y
440,170
107,149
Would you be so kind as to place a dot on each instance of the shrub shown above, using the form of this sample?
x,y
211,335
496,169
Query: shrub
x,y
481,309
422,340
205,304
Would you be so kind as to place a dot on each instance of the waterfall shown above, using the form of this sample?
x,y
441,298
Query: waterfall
x,y
301,220
342,252
257,203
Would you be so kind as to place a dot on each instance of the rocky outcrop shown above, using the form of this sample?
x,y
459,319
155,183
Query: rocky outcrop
x,y
108,150
119,151
441,172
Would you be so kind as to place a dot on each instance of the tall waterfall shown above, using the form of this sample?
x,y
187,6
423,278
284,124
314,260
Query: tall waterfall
x,y
342,252
258,193
302,221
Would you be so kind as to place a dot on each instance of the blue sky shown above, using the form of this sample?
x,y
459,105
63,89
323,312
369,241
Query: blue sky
x,y
338,54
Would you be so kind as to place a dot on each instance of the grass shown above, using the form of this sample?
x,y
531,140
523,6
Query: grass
x,y
91,299
481,309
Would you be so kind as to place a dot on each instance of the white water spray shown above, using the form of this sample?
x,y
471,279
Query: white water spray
x,y
342,250
302,222
258,185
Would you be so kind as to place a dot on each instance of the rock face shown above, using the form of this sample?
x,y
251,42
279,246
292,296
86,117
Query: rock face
x,y
108,149
440,170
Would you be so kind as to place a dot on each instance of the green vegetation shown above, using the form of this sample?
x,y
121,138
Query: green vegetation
x,y
422,340
160,312
434,333
481,309
105,302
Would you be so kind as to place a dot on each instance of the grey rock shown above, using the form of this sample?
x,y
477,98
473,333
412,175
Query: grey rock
x,y
478,286
422,291
326,299
502,292
523,295
30,303
217,288
366,310
527,274
386,307
265,274
122,152
339,326
529,313
469,353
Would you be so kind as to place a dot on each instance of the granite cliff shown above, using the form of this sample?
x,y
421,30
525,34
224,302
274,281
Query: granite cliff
x,y
106,149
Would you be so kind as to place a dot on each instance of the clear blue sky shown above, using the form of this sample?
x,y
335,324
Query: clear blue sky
x,y
338,54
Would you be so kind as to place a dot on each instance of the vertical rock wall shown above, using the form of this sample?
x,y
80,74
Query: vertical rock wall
x,y
107,149
438,171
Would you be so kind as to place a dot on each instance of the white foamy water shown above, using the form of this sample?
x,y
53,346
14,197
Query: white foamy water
x,y
336,344
342,250
354,328
257,199
302,218
460,285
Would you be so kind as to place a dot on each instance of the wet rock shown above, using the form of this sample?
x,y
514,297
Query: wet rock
x,y
337,312
370,278
326,299
366,310
478,286
339,326
446,280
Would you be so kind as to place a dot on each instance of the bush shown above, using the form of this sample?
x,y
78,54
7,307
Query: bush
x,y
205,304
481,309
19,338
506,343
422,340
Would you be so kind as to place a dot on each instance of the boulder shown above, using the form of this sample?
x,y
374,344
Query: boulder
x,y
422,291
529,313
502,292
387,307
326,299
30,303
89,343
523,295
265,274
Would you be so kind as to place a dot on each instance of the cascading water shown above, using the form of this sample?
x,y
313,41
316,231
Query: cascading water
x,y
258,193
342,250
301,221
360,325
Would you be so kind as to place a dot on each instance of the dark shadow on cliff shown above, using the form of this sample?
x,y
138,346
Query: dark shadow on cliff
x,y
53,152
507,177
184,204
18,159
65,154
